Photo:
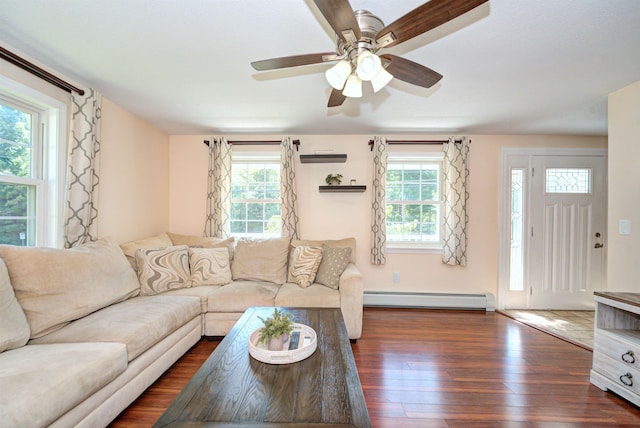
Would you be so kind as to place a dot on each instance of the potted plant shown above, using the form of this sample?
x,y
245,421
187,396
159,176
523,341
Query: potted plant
x,y
333,179
276,330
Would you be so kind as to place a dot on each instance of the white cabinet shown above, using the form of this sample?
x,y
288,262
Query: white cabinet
x,y
616,347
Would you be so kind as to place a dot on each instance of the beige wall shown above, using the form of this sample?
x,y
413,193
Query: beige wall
x,y
623,253
134,176
337,215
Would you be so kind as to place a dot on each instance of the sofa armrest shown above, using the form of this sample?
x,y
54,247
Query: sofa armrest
x,y
351,287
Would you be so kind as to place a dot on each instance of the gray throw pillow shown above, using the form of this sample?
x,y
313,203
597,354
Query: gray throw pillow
x,y
334,262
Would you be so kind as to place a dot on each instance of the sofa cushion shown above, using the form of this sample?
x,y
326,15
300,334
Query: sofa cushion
x,y
332,243
204,242
40,383
139,323
261,260
55,286
314,296
303,265
129,248
14,328
202,292
209,266
334,261
163,269
241,295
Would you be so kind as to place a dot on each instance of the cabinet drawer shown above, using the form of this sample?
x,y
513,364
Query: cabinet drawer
x,y
618,372
618,348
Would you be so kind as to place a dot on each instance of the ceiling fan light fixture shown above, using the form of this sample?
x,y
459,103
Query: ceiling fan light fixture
x,y
353,88
338,74
381,79
368,65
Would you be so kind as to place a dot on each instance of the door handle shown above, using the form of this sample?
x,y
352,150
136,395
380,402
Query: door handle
x,y
598,245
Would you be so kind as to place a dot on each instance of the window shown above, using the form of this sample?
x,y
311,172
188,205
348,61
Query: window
x,y
568,180
255,195
20,173
516,265
31,166
414,199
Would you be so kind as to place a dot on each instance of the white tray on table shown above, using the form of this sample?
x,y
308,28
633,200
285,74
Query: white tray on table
x,y
307,345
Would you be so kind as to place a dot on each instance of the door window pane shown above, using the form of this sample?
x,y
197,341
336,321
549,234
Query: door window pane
x,y
568,180
516,271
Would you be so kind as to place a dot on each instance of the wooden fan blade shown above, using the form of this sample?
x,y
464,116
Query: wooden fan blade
x,y
340,16
424,18
411,72
336,98
294,61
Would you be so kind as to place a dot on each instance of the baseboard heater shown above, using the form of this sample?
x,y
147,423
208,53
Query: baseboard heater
x,y
484,302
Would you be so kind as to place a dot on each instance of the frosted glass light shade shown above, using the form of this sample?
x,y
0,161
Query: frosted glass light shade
x,y
380,81
369,65
353,88
337,75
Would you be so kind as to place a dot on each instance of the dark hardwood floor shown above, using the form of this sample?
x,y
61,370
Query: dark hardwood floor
x,y
440,368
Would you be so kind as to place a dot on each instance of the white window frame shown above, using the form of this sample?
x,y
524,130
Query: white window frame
x,y
49,132
265,157
419,247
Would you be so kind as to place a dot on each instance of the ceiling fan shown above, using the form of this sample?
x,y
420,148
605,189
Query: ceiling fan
x,y
359,36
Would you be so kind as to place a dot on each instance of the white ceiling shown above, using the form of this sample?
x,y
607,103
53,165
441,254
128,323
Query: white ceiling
x,y
509,66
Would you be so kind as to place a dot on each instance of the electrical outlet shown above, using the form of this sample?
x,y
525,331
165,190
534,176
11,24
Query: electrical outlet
x,y
396,277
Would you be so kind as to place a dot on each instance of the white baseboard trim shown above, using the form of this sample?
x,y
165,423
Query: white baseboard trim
x,y
484,301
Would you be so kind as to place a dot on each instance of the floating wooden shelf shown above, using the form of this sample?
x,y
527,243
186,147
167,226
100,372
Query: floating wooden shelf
x,y
356,188
324,158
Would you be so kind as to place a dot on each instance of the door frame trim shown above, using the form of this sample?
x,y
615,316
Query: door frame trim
x,y
504,238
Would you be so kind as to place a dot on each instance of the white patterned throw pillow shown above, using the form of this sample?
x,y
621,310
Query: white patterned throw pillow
x,y
209,266
163,269
303,265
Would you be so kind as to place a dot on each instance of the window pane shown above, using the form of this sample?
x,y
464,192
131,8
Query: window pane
x,y
568,180
255,227
394,175
15,142
411,192
411,175
394,192
239,211
17,214
516,268
255,211
429,192
238,226
238,191
272,191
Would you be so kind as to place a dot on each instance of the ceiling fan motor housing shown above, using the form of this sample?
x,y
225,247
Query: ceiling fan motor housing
x,y
369,25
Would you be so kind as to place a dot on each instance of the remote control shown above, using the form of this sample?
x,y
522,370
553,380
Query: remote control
x,y
293,340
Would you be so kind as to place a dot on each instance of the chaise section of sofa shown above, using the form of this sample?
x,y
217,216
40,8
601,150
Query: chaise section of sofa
x,y
92,347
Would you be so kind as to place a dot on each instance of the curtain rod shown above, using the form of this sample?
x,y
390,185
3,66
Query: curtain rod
x,y
37,71
417,142
258,143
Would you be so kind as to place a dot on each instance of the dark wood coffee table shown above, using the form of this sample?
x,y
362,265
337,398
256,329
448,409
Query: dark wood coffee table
x,y
232,389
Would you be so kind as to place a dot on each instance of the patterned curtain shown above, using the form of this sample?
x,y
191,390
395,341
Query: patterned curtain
x,y
289,205
455,174
81,218
378,202
218,189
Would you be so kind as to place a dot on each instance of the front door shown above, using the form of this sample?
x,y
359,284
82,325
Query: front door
x,y
567,213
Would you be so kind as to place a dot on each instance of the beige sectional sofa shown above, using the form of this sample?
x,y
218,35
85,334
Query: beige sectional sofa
x,y
84,331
